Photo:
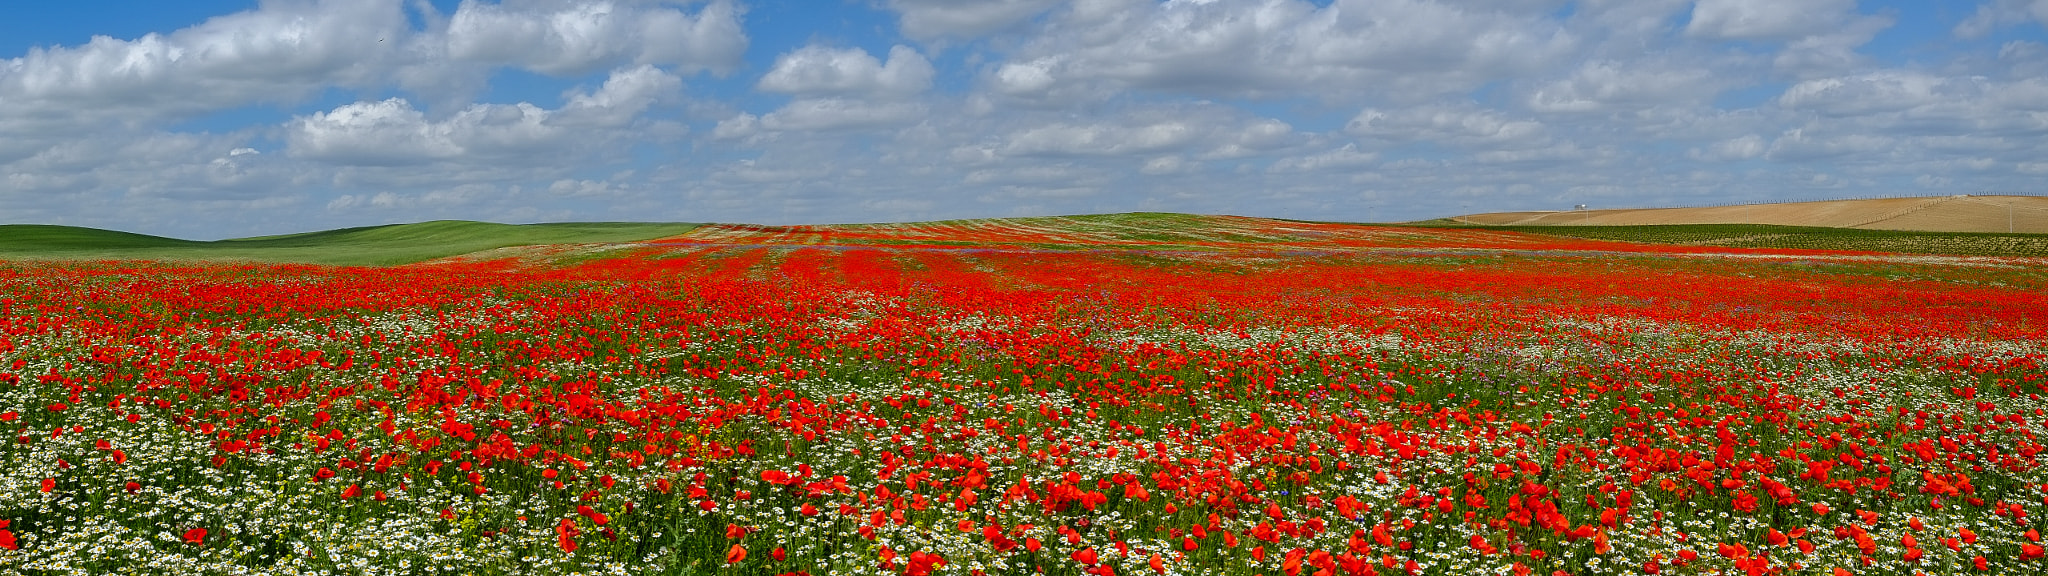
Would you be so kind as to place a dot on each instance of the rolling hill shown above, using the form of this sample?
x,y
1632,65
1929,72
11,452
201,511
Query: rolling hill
x,y
364,246
1963,213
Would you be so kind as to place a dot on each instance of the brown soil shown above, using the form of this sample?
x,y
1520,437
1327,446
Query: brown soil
x,y
2029,214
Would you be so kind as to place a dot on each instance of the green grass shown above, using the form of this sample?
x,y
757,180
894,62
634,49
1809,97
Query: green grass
x,y
365,246
1797,237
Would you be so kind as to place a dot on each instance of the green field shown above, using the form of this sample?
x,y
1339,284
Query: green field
x,y
364,246
407,243
1795,237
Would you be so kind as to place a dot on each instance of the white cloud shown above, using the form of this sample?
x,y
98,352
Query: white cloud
x,y
460,195
624,96
393,132
388,132
1767,19
582,188
1832,52
1552,153
1063,174
1462,125
815,114
1743,148
565,38
1820,36
1255,137
1997,14
1099,139
1276,48
280,51
1873,93
1798,145
815,70
960,18
1342,158
739,127
1925,107
1169,164
1611,86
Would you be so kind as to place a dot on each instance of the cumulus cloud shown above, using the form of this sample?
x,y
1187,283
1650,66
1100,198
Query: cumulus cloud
x,y
817,114
1767,19
1346,157
1818,37
963,18
1276,48
277,52
565,38
1918,104
1997,14
1099,139
393,132
1611,86
1463,125
1168,164
1801,144
1207,131
1254,137
1865,94
1743,148
816,70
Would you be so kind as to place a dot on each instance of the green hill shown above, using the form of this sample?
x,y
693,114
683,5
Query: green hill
x,y
365,246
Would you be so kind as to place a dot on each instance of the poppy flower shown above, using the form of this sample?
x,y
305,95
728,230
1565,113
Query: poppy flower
x,y
195,536
735,554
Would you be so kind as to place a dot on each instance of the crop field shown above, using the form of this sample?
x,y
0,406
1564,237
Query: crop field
x,y
1130,394
1804,238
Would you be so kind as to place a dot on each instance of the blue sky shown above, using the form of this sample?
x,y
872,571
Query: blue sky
x,y
222,119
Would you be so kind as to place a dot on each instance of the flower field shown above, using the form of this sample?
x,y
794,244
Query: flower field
x,y
1141,394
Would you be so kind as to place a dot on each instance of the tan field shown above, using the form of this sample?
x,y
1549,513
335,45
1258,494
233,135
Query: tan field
x,y
2024,214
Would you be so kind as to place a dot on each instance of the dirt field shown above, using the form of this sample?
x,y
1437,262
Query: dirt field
x,y
2028,214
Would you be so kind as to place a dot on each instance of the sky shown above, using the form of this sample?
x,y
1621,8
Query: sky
x,y
217,119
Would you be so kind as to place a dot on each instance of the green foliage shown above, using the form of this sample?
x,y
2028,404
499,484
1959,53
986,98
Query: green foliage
x,y
364,246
